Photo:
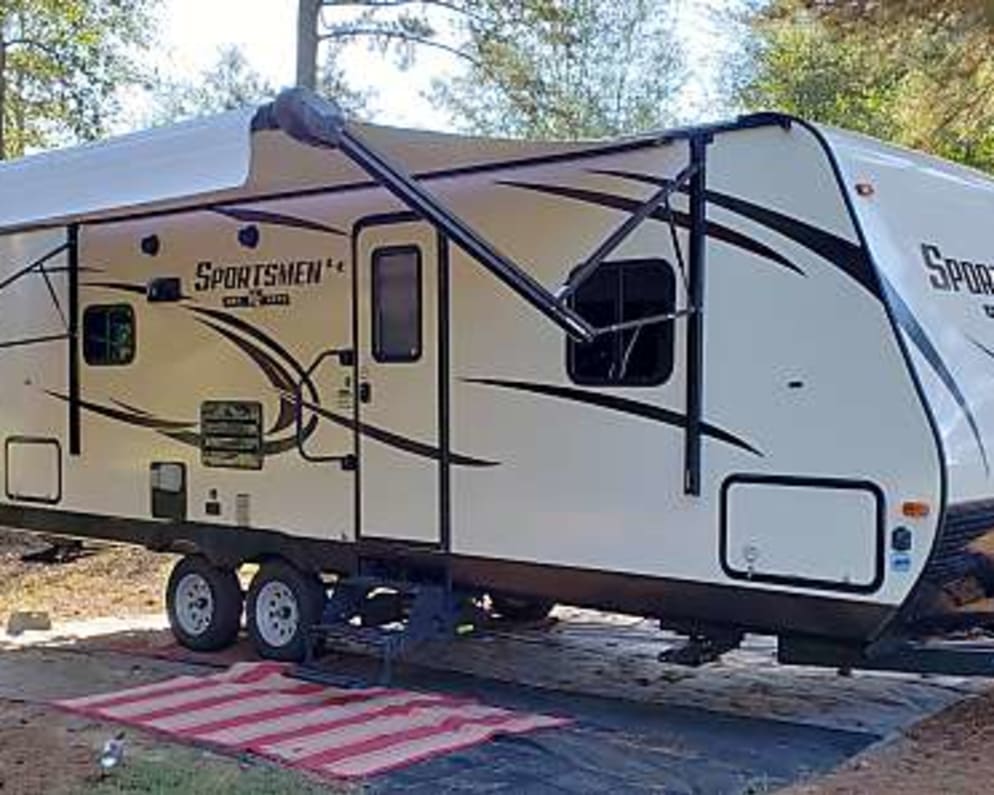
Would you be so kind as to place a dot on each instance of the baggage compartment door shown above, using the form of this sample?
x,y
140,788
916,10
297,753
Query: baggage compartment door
x,y
809,532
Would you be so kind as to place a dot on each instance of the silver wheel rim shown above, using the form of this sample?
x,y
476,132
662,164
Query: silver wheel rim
x,y
276,614
194,604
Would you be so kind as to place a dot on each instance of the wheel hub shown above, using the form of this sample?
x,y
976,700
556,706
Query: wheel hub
x,y
194,604
276,614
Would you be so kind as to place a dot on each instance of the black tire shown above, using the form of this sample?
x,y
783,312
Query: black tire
x,y
515,608
277,591
204,604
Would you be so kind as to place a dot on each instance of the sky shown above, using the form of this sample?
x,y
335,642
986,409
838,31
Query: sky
x,y
194,30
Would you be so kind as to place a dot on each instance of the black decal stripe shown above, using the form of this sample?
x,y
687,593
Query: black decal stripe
x,y
184,437
852,260
847,256
131,418
132,409
124,287
261,336
412,446
625,204
276,219
80,269
909,323
273,370
273,345
614,403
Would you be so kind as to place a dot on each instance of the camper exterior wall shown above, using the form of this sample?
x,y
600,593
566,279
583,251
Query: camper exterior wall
x,y
801,364
815,429
34,357
928,226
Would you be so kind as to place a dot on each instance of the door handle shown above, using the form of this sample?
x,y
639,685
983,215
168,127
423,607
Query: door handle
x,y
365,392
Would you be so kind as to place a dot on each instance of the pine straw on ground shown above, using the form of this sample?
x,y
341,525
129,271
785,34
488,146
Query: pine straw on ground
x,y
948,753
108,581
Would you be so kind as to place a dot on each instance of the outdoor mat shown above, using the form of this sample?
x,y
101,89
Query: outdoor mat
x,y
337,732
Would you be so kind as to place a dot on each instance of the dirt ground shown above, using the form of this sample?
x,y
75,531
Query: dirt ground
x,y
948,753
108,581
46,751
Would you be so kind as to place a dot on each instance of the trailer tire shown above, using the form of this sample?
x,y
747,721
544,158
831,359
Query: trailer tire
x,y
204,604
514,608
283,603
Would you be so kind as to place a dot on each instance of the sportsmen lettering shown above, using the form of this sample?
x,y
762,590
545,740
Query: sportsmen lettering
x,y
948,274
295,273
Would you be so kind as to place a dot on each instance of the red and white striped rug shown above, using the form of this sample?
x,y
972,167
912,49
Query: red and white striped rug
x,y
337,732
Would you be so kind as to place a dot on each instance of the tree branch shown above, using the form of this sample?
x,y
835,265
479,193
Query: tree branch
x,y
378,33
40,45
462,9
374,4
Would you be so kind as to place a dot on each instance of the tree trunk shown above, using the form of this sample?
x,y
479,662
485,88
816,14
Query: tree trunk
x,y
307,43
3,99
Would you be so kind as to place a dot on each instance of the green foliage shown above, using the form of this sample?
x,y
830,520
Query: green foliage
x,y
232,83
576,69
61,62
563,69
917,73
229,83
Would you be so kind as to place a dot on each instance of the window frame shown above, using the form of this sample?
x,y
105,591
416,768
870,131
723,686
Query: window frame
x,y
132,316
374,319
666,268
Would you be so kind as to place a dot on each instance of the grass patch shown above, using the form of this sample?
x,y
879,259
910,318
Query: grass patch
x,y
179,771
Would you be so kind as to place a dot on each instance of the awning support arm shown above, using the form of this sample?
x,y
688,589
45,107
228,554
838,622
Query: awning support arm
x,y
317,122
623,231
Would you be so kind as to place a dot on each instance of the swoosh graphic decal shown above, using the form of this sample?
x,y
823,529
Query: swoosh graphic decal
x,y
276,219
848,256
258,335
283,383
917,335
852,260
391,439
132,409
287,401
124,287
277,375
132,418
614,403
625,204
127,287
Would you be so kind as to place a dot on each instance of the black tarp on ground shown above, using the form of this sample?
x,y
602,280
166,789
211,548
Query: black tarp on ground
x,y
613,746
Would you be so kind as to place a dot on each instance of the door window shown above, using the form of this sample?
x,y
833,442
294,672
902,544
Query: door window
x,y
396,299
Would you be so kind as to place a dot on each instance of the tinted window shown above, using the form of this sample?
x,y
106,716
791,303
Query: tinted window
x,y
619,292
396,304
109,335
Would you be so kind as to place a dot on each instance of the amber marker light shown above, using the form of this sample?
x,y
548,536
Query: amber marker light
x,y
915,509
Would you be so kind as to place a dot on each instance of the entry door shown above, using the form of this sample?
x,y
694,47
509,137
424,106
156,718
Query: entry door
x,y
398,383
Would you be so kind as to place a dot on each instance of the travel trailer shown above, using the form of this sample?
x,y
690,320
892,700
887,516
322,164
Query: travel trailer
x,y
736,377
